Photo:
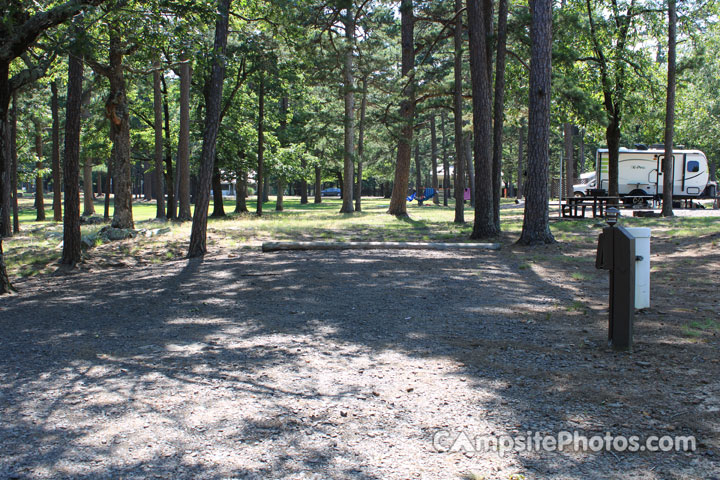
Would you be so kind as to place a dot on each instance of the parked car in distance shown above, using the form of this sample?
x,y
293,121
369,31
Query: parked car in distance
x,y
330,192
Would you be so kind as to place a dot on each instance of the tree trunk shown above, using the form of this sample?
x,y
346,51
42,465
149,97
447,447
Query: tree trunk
x,y
487,6
667,163
569,159
183,158
612,135
147,179
536,227
303,182
108,185
5,161
241,191
39,188
446,162
499,109
159,184
88,196
361,147
433,159
14,167
349,120
72,254
318,184
5,286
57,188
457,113
116,108
169,177
398,200
212,123
218,206
261,144
418,174
467,155
520,161
484,225
581,153
280,195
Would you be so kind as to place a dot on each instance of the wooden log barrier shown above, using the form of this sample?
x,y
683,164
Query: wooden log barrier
x,y
284,246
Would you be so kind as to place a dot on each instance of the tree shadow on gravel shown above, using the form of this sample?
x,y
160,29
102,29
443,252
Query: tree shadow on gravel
x,y
338,364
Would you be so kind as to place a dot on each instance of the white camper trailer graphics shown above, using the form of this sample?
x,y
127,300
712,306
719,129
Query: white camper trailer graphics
x,y
640,172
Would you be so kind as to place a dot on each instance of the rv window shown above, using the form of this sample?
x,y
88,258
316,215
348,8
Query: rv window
x,y
693,166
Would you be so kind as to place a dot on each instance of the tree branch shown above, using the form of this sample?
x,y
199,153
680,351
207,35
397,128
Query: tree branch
x,y
241,77
31,74
517,57
28,32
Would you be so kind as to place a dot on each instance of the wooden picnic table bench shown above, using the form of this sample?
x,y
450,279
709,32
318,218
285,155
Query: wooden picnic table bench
x,y
575,207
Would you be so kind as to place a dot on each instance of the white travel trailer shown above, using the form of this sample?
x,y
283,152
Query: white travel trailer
x,y
640,172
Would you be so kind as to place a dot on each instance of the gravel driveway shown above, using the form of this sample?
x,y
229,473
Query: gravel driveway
x,y
342,365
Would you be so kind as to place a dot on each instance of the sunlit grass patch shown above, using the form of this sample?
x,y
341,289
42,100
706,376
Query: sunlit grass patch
x,y
701,328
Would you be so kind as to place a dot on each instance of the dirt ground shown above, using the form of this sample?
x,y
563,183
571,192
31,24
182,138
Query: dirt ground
x,y
318,365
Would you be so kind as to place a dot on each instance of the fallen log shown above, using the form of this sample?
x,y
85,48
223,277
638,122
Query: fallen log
x,y
284,246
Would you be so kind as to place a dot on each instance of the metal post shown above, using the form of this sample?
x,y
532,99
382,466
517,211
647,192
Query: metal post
x,y
616,253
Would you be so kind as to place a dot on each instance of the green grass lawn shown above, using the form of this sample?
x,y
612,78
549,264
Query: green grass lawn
x,y
38,246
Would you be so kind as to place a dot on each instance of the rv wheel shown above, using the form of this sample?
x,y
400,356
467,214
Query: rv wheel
x,y
635,197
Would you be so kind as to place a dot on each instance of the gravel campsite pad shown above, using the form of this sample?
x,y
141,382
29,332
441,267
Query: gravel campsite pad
x,y
348,365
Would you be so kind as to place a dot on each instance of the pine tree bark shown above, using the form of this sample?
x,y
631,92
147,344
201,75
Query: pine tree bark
x,y
14,167
361,147
398,200
303,182
499,109
159,177
39,187
484,224
169,177
260,174
212,124
57,188
433,160
467,155
581,154
446,163
241,190
218,207
280,195
318,184
118,112
147,179
536,225
108,185
569,159
5,148
667,163
418,174
72,254
520,161
349,120
88,195
457,113
183,159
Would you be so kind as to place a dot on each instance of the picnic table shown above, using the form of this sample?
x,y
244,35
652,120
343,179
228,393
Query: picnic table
x,y
574,207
